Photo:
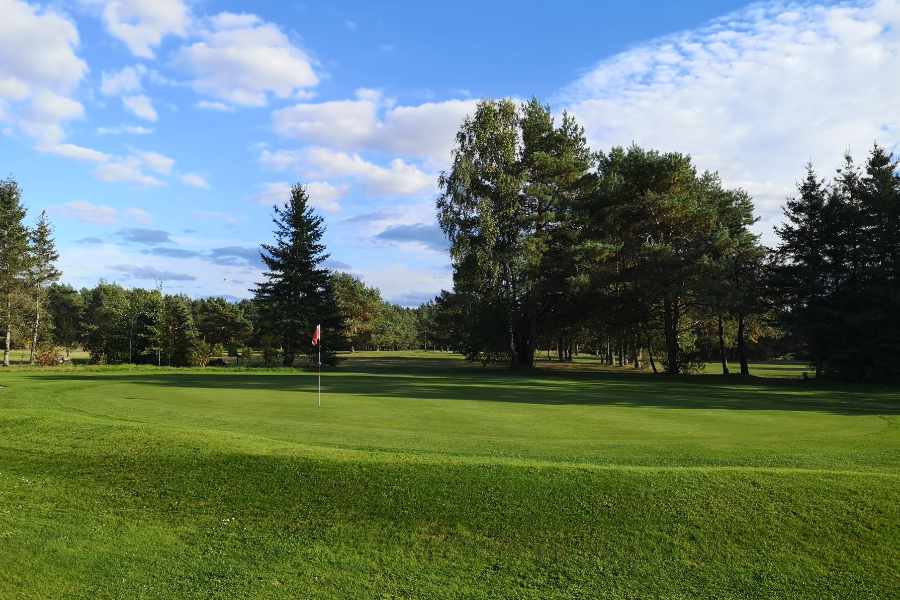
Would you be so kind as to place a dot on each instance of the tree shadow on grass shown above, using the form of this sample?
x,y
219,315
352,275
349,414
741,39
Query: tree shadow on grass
x,y
414,380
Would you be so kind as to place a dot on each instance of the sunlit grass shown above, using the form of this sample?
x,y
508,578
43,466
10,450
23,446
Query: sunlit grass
x,y
424,476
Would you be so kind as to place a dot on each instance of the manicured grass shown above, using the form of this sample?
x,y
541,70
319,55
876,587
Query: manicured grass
x,y
424,477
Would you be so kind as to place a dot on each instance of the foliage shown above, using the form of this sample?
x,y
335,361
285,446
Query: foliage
x,y
297,292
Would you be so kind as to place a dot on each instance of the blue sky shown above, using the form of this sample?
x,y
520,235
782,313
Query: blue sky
x,y
158,133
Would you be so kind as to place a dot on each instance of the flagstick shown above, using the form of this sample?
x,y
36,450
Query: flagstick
x,y
319,397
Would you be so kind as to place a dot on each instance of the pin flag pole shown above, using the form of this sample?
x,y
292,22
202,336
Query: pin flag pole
x,y
319,361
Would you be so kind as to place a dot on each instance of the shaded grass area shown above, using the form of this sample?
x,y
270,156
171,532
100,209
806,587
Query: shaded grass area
x,y
425,478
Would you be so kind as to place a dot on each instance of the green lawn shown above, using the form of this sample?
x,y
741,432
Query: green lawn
x,y
424,477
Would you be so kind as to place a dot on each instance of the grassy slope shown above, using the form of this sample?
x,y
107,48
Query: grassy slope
x,y
425,478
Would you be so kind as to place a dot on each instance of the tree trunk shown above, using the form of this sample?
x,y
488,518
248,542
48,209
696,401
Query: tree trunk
x,y
6,348
34,333
289,356
742,350
670,324
650,356
722,346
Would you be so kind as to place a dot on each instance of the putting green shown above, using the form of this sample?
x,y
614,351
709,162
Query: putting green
x,y
421,476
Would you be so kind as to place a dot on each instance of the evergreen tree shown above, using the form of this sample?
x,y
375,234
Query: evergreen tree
x,y
65,306
181,332
42,272
14,257
801,273
298,292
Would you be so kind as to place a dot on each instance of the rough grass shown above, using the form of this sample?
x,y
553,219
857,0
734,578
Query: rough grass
x,y
422,477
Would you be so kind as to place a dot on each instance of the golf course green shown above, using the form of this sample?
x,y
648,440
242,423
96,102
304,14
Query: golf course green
x,y
422,476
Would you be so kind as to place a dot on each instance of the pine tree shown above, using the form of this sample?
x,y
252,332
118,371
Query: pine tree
x,y
182,341
298,292
13,254
42,272
802,266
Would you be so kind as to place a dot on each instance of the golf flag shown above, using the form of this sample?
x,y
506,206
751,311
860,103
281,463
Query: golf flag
x,y
317,335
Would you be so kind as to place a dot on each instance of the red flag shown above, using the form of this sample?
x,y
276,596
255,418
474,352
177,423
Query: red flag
x,y
317,335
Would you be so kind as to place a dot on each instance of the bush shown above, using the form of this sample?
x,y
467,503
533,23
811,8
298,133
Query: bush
x,y
49,357
202,353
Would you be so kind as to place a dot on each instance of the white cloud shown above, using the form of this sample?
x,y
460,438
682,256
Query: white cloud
x,y
139,216
426,131
194,180
281,160
322,195
126,170
242,60
755,94
75,152
325,196
37,51
125,81
217,106
124,129
141,106
399,178
346,124
160,163
273,193
85,212
142,24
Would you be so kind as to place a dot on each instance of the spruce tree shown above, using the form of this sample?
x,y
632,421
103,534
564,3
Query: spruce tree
x,y
42,272
802,265
297,293
13,254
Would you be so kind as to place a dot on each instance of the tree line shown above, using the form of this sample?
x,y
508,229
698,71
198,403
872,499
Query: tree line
x,y
640,257
115,324
631,254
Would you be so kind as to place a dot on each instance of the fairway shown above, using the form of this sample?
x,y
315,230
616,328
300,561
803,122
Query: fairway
x,y
422,476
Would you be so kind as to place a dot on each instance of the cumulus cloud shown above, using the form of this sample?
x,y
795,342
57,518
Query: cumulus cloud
x,y
140,106
127,84
241,59
155,161
142,24
126,170
398,178
755,94
273,193
124,81
368,122
194,180
39,70
322,195
325,196
347,124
